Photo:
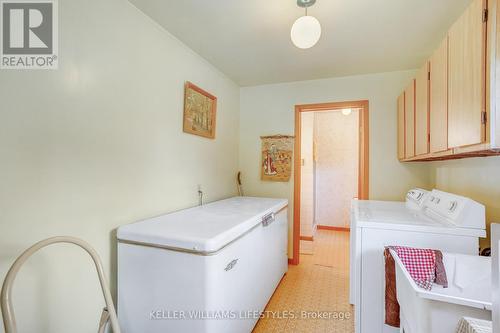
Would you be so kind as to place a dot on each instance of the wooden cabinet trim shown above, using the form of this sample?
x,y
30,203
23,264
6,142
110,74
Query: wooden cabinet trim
x,y
401,127
422,134
410,120
438,99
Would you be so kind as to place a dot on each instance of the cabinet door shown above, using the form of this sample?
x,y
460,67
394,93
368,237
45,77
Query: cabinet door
x,y
401,127
466,60
439,99
422,111
410,120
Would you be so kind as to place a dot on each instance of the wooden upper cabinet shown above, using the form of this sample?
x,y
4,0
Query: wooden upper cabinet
x,y
466,77
445,112
410,120
422,111
401,127
438,99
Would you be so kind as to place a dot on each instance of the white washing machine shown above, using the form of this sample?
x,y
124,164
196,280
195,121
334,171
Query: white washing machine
x,y
415,199
437,220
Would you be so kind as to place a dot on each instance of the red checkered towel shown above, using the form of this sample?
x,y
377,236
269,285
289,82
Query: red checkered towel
x,y
420,264
425,267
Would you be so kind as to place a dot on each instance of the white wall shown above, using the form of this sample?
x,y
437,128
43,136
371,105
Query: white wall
x,y
477,178
307,175
269,109
97,144
337,165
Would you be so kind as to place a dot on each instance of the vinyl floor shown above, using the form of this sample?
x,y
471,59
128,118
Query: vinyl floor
x,y
314,295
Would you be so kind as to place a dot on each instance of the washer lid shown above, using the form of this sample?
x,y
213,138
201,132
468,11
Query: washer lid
x,y
395,216
203,229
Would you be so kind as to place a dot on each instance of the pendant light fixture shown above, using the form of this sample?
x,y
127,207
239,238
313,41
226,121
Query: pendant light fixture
x,y
306,30
346,112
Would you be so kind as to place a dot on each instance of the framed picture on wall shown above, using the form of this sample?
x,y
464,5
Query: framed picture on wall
x,y
200,108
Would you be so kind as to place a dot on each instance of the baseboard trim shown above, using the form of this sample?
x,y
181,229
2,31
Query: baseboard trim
x,y
307,238
328,227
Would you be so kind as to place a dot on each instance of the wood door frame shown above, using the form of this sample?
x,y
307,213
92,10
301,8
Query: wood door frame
x,y
363,174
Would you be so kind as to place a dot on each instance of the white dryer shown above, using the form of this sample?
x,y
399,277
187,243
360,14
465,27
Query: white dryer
x,y
442,221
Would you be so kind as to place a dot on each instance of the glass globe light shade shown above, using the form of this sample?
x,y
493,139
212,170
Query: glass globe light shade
x,y
346,112
306,32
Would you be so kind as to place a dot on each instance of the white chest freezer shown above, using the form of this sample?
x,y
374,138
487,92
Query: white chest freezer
x,y
211,268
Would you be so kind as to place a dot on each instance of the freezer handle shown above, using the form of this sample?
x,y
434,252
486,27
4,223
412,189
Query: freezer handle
x,y
268,219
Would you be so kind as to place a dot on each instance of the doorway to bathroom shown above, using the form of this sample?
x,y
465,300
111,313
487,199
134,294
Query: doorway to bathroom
x,y
331,168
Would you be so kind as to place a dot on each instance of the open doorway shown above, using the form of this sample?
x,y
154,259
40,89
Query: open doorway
x,y
331,167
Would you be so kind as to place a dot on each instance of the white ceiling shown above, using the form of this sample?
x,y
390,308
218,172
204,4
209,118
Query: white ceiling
x,y
249,40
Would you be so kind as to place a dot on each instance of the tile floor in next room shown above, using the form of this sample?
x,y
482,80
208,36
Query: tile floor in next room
x,y
319,284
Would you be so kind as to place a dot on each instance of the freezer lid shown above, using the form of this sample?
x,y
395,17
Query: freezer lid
x,y
203,229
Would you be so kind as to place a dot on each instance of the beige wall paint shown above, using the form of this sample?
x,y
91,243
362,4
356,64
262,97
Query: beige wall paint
x,y
269,109
337,159
477,178
307,175
97,144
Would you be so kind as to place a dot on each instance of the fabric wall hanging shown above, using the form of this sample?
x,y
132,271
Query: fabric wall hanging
x,y
277,158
